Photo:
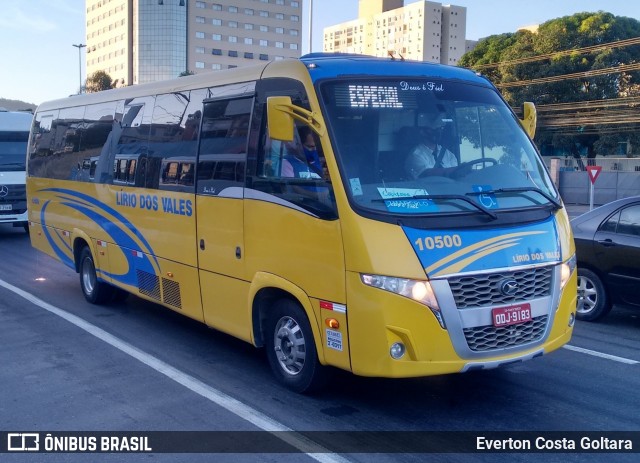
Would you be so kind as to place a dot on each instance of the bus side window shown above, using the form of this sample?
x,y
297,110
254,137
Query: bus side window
x,y
98,124
296,171
223,144
40,151
174,139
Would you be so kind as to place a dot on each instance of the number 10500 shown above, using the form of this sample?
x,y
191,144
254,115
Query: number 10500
x,y
438,242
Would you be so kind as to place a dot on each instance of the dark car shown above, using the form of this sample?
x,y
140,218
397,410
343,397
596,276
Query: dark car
x,y
608,254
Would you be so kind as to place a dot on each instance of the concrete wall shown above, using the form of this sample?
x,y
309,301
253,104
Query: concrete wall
x,y
574,186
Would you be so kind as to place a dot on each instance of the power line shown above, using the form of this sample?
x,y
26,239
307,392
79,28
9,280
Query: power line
x,y
558,54
591,104
597,116
575,75
608,116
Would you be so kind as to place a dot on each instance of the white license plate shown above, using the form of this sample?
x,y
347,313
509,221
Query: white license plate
x,y
512,315
6,207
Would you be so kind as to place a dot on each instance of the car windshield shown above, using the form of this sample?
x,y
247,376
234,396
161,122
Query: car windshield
x,y
430,147
13,150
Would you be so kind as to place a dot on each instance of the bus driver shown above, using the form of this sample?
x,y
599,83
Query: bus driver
x,y
428,154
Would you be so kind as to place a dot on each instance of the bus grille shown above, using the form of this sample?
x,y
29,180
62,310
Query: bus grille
x,y
171,293
15,193
485,338
17,197
148,284
484,290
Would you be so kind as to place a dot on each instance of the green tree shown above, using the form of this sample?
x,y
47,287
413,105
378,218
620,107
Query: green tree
x,y
575,127
98,81
186,73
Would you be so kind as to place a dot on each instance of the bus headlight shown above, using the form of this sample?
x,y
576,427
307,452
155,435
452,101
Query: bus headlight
x,y
566,269
418,290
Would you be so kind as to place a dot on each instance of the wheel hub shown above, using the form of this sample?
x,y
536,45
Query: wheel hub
x,y
289,344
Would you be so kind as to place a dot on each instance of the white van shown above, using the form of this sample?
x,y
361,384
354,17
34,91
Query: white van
x,y
14,135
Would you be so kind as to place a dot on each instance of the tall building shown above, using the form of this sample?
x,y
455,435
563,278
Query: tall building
x,y
424,31
229,33
139,41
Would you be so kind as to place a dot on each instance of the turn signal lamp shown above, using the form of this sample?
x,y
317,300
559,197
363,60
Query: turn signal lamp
x,y
566,269
332,323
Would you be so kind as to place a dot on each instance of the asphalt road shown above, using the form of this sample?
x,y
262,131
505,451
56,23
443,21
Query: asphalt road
x,y
134,366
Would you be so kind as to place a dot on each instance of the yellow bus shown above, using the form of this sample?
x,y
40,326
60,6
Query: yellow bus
x,y
421,235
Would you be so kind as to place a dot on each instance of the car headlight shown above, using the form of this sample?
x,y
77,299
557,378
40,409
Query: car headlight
x,y
418,290
566,269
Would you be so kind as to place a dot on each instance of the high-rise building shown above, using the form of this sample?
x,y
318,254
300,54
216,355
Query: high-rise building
x,y
138,41
425,31
230,33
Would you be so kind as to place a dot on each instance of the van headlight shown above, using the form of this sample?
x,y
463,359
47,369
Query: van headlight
x,y
418,290
566,269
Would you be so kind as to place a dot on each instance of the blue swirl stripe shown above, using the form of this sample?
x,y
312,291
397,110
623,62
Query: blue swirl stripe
x,y
66,259
120,231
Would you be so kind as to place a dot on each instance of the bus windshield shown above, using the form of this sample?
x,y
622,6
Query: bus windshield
x,y
13,150
431,147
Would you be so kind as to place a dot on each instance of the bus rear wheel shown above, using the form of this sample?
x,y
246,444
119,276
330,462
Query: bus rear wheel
x,y
95,291
291,349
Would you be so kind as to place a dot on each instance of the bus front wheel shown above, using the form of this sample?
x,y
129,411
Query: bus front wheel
x,y
95,291
291,349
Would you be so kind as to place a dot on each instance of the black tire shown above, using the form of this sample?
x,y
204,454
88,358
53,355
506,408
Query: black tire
x,y
593,300
291,349
95,291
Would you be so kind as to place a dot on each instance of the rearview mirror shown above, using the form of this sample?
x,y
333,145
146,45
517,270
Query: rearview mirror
x,y
279,118
281,113
530,118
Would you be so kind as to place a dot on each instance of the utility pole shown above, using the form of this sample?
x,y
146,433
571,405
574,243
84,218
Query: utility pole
x,y
80,46
310,25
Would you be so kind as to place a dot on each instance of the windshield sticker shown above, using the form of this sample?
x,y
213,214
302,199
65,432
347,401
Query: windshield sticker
x,y
447,252
421,86
393,193
487,200
407,200
356,187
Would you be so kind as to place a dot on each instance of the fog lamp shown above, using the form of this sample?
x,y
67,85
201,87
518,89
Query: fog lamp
x,y
397,350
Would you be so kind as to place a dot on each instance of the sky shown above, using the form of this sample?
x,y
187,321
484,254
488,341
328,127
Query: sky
x,y
38,61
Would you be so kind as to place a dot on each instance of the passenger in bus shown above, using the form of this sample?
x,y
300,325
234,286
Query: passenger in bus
x,y
310,150
428,157
302,161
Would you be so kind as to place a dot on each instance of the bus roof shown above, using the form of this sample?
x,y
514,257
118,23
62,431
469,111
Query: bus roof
x,y
319,66
15,121
207,79
328,65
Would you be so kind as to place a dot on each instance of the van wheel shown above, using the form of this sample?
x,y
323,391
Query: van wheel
x,y
593,301
291,349
95,291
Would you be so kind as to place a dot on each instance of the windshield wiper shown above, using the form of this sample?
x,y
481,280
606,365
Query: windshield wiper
x,y
523,189
432,197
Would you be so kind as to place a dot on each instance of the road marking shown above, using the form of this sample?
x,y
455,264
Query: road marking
x,y
244,411
595,353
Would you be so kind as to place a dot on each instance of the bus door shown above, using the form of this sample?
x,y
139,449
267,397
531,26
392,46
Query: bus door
x,y
292,233
219,211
